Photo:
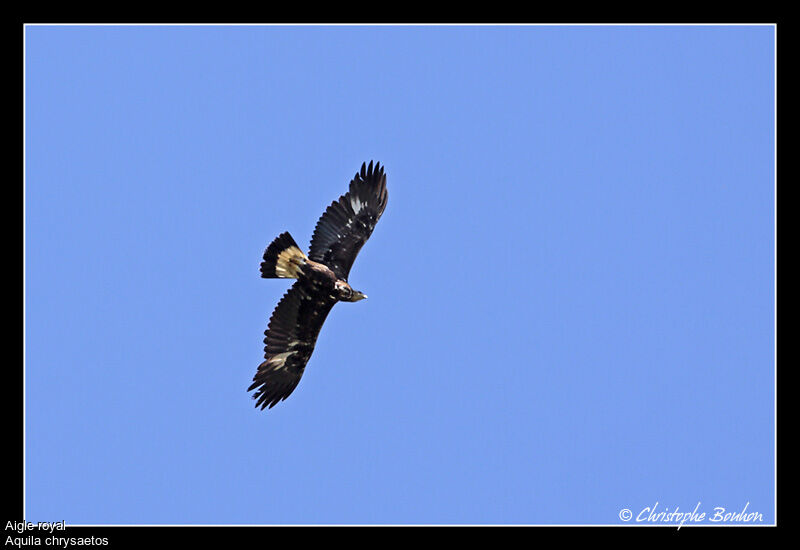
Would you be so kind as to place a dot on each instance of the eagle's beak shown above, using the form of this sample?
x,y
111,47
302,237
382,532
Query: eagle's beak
x,y
359,296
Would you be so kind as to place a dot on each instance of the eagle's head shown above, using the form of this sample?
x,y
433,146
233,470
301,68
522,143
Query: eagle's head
x,y
347,293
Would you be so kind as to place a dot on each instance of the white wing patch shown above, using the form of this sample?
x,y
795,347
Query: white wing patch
x,y
356,204
279,360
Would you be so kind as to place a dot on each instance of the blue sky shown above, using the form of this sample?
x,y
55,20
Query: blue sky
x,y
571,292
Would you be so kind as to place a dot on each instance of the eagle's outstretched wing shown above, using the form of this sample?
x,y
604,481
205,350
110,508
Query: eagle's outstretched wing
x,y
347,223
290,339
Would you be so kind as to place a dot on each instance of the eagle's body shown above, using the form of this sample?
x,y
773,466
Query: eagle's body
x,y
321,282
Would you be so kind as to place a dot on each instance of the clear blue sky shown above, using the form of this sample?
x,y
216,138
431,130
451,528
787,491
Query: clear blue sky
x,y
570,294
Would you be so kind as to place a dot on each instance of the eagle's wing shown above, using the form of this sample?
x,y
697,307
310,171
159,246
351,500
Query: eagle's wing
x,y
347,223
290,339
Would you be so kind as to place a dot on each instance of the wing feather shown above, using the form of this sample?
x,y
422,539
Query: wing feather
x,y
290,340
348,222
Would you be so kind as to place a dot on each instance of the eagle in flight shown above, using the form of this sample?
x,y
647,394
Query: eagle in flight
x,y
321,282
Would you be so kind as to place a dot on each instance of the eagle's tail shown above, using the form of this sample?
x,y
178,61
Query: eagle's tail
x,y
283,258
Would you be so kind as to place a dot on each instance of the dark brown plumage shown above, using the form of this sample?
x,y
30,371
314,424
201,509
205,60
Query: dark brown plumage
x,y
321,282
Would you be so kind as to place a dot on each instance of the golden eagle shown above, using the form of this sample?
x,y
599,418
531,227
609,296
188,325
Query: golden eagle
x,y
321,282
